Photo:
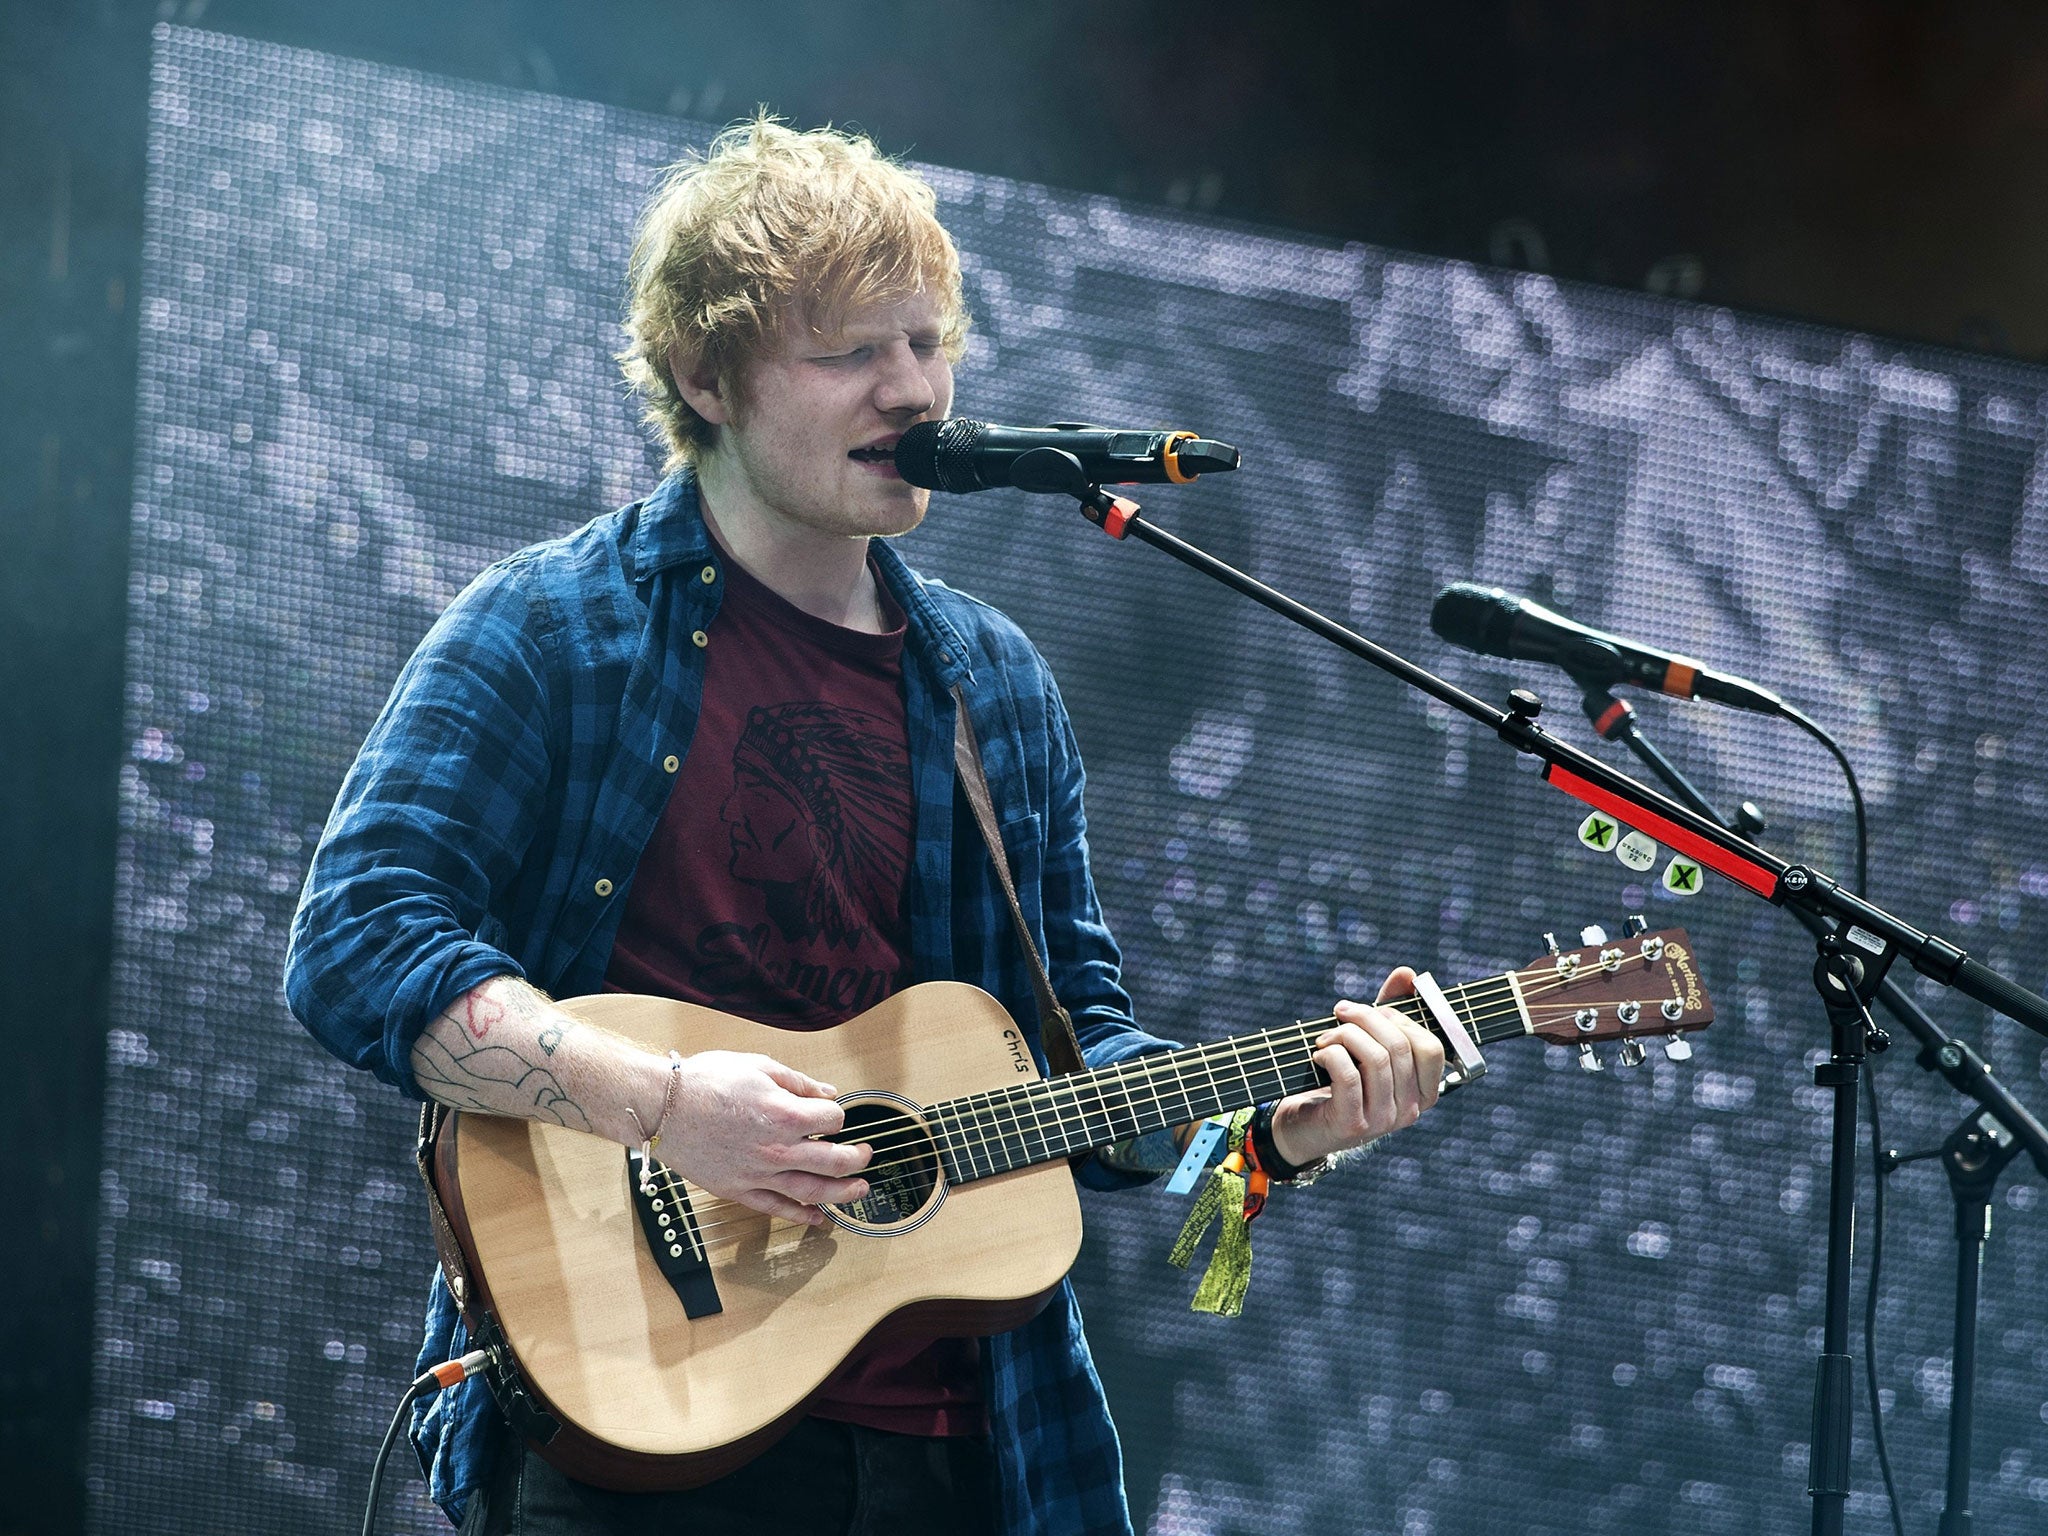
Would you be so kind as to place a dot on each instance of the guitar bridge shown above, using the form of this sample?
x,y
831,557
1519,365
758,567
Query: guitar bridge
x,y
669,1223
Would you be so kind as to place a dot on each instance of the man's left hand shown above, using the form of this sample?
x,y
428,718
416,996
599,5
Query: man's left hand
x,y
1384,1071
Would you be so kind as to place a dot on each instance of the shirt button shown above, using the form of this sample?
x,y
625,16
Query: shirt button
x,y
671,763
603,887
700,638
708,575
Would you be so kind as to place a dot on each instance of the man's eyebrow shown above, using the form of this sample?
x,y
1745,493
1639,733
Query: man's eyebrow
x,y
858,336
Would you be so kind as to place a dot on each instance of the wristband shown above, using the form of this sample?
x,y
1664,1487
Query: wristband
x,y
1267,1152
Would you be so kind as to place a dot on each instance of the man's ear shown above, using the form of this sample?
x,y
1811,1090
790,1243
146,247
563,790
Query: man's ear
x,y
699,386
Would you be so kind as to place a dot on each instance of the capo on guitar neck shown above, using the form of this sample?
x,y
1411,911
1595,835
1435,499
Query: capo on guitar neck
x,y
1465,1062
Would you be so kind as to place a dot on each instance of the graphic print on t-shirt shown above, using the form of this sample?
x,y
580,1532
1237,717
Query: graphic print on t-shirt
x,y
813,819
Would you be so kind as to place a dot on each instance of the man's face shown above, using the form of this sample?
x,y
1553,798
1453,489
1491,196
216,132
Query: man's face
x,y
811,443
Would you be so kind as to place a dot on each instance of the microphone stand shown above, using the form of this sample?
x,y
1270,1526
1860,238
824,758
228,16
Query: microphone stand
x,y
1974,1154
1852,956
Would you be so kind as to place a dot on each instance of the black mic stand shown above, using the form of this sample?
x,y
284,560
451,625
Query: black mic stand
x,y
1975,1153
1846,980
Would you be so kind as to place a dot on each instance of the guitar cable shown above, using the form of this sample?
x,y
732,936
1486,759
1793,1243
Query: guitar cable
x,y
447,1374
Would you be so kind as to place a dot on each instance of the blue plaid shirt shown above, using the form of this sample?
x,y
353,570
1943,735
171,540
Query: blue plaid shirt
x,y
493,820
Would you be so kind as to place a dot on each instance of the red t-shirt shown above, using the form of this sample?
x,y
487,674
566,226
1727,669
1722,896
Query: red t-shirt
x,y
776,884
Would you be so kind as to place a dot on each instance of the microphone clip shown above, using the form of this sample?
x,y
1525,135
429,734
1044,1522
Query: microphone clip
x,y
1058,472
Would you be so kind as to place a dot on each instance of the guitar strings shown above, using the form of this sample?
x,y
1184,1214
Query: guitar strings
x,y
1297,1053
901,1131
1040,1100
1160,1068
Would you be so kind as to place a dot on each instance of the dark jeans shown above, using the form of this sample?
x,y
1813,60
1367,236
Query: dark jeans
x,y
821,1479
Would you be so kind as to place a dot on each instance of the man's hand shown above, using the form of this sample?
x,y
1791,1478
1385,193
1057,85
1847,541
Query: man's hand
x,y
741,1128
1384,1072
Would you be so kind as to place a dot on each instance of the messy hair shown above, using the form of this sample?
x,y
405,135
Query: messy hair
x,y
773,228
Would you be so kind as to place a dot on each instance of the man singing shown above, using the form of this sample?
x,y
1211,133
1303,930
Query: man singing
x,y
703,748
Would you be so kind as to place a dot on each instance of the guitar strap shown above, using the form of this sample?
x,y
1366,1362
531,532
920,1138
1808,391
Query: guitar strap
x,y
432,1118
1055,1024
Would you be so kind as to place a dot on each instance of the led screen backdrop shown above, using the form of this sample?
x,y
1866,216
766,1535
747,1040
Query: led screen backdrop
x,y
375,357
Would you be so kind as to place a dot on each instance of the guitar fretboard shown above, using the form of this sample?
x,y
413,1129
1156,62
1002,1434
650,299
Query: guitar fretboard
x,y
985,1134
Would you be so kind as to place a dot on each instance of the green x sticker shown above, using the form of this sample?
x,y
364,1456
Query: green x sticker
x,y
1599,832
1682,877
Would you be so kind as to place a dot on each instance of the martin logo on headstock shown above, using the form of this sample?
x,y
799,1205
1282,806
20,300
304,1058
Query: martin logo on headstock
x,y
1646,984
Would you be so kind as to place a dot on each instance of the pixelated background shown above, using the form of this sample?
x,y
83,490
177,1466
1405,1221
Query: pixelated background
x,y
376,332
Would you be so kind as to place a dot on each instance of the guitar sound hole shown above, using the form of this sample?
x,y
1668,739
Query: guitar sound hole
x,y
903,1175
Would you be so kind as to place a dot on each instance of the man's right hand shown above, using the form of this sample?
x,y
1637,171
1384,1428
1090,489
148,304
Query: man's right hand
x,y
741,1126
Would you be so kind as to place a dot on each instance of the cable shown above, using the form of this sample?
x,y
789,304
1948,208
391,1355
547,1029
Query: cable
x,y
447,1374
1812,728
1884,1459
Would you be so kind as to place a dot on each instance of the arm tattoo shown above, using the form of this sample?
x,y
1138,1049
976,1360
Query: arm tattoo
x,y
487,1054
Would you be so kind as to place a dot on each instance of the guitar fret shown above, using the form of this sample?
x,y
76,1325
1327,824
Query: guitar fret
x,y
1254,1073
1115,1123
1305,1074
964,1139
1460,999
1048,1116
1059,1104
995,1149
1016,1135
1279,1072
953,1157
1132,1074
1082,1131
1188,1108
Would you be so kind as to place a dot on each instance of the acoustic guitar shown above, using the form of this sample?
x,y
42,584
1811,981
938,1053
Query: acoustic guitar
x,y
647,1334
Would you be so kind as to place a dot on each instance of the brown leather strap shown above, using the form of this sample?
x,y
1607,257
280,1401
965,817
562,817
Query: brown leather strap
x,y
1055,1024
433,1120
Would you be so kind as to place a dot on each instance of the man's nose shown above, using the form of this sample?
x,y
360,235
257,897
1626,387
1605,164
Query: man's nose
x,y
904,385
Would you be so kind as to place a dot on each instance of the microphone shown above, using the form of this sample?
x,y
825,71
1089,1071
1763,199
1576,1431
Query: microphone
x,y
962,455
1497,623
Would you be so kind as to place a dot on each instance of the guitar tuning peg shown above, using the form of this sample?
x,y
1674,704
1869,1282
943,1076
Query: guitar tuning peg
x,y
1592,933
1550,942
1635,924
1677,1047
1588,1061
1631,1052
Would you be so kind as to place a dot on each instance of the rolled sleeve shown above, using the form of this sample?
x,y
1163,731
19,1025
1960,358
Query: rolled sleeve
x,y
428,834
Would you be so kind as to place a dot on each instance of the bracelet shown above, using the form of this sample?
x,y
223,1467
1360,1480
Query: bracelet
x,y
648,1142
1267,1151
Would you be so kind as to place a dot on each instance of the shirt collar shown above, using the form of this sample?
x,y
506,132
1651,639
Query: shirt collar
x,y
670,531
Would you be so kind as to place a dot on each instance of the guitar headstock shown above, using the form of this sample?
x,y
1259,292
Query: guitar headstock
x,y
1639,985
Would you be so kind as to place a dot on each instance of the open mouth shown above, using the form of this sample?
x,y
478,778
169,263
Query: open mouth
x,y
875,453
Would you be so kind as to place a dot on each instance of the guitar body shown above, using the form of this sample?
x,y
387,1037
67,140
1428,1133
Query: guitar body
x,y
650,1397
